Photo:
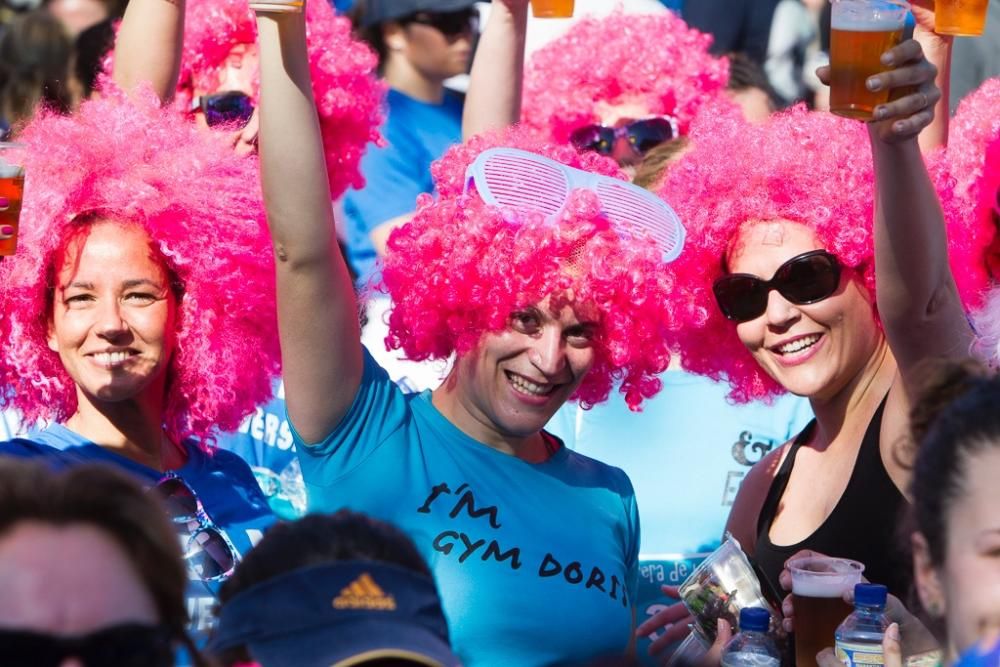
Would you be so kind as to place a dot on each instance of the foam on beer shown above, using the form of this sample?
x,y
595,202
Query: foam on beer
x,y
10,170
865,18
828,587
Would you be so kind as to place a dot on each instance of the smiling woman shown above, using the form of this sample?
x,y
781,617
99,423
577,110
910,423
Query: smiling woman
x,y
122,330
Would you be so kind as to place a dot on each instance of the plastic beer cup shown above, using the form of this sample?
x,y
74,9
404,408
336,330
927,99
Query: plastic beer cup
x,y
11,192
552,9
966,18
818,587
862,30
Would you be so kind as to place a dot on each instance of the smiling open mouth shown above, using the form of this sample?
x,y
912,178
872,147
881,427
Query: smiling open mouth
x,y
112,359
798,345
526,386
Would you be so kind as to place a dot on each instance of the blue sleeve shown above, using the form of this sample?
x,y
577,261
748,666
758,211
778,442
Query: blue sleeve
x,y
634,533
394,176
379,410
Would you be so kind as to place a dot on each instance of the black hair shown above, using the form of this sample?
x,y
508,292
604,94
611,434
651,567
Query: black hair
x,y
746,73
955,418
90,47
35,55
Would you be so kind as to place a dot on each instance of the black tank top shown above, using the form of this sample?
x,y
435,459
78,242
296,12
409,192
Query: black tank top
x,y
862,526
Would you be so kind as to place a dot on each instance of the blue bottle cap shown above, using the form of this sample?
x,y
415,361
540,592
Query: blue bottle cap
x,y
870,595
754,619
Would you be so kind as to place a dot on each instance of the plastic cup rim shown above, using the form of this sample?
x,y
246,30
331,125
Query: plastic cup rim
x,y
853,566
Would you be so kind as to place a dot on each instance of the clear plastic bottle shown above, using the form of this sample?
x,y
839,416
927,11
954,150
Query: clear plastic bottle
x,y
859,637
752,647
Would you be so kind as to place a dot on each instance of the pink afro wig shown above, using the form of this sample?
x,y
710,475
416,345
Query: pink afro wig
x,y
972,159
655,60
460,268
811,168
348,94
201,206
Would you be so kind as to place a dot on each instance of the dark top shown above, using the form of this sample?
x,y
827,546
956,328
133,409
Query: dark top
x,y
862,525
735,25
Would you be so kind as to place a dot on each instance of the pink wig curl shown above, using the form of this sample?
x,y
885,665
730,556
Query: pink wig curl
x,y
655,60
458,270
201,206
348,94
972,159
811,168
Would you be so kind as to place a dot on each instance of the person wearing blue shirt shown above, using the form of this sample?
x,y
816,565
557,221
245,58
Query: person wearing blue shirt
x,y
686,454
535,547
420,44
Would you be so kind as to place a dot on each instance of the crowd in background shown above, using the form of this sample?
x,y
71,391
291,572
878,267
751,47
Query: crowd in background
x,y
711,309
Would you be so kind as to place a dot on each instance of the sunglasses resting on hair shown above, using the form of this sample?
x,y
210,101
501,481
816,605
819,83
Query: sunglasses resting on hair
x,y
804,279
449,24
642,135
208,552
126,645
231,109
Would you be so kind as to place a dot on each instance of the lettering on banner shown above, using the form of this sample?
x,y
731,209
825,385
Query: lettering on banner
x,y
464,547
734,478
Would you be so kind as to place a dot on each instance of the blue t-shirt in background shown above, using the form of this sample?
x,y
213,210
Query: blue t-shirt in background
x,y
416,133
221,480
536,563
686,454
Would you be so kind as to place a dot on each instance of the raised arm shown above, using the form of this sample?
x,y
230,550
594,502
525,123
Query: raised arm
x,y
937,49
494,98
148,46
317,308
917,298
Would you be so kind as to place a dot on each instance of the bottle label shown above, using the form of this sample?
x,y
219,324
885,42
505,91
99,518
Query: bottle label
x,y
860,655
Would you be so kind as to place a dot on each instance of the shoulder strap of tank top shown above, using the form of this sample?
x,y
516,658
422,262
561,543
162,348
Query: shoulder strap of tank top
x,y
781,481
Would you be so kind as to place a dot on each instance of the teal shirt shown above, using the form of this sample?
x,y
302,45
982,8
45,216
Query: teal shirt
x,y
537,564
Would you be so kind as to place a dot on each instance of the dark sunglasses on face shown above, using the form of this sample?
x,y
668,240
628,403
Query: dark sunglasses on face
x,y
231,109
642,135
804,279
126,645
208,552
449,24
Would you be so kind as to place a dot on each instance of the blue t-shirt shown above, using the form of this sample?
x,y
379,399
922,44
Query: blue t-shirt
x,y
221,480
686,453
416,133
536,563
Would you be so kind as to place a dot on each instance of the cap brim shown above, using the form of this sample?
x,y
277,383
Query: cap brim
x,y
354,643
391,14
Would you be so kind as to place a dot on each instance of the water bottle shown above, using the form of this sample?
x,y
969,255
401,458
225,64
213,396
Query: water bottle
x,y
752,647
859,637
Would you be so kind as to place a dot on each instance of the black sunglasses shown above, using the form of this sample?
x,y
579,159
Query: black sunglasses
x,y
126,645
642,135
449,24
804,279
209,554
232,109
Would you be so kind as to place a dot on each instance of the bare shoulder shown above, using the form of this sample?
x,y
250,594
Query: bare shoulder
x,y
742,522
894,437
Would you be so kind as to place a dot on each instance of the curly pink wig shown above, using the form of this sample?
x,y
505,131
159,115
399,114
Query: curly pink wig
x,y
348,94
811,168
201,206
655,59
972,158
458,270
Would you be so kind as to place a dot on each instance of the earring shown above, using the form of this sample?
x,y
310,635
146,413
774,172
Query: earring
x,y
934,608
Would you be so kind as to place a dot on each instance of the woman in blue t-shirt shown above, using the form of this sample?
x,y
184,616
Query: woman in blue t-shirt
x,y
137,316
543,292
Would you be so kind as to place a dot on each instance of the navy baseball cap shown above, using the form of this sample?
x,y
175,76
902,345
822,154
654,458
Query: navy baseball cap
x,y
337,615
381,11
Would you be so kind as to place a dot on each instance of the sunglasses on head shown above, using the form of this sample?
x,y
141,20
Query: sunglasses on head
x,y
126,645
449,24
231,109
642,135
209,554
804,279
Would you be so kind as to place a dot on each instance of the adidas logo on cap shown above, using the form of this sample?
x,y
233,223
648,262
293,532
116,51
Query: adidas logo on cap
x,y
364,593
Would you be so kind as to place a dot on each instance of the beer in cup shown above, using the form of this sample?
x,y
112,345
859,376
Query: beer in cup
x,y
818,587
11,193
552,9
960,17
862,30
